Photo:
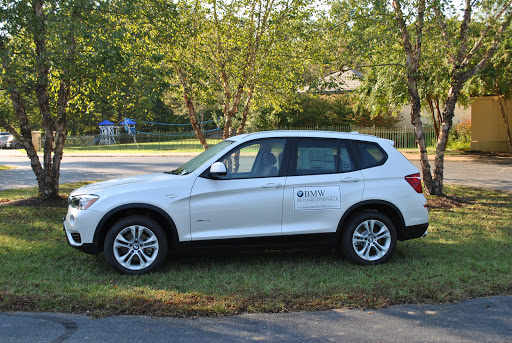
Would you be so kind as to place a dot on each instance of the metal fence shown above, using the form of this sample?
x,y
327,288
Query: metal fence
x,y
404,138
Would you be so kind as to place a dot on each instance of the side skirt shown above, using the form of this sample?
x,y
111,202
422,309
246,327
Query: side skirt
x,y
260,243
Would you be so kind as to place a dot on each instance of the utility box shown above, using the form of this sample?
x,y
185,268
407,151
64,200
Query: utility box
x,y
36,140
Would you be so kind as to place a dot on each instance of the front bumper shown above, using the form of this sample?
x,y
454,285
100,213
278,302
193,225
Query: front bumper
x,y
74,240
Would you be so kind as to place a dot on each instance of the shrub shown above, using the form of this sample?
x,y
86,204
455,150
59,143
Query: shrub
x,y
460,136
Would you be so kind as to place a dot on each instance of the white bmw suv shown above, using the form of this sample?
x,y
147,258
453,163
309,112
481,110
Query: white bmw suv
x,y
264,190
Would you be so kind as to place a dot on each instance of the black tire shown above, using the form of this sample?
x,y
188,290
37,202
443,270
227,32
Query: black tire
x,y
368,238
18,146
136,245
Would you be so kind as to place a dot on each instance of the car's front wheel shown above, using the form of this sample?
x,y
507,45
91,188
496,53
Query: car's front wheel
x,y
369,238
136,245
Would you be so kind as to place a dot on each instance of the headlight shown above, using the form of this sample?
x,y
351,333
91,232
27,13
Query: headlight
x,y
82,202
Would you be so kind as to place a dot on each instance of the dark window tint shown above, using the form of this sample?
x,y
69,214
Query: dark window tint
x,y
316,156
345,162
369,154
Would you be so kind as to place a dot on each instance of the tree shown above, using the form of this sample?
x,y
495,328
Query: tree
x,y
464,64
252,32
33,64
423,53
51,52
231,52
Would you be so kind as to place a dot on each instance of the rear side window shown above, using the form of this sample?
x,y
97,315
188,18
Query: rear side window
x,y
316,156
322,156
369,154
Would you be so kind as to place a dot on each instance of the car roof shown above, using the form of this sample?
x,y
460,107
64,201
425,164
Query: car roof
x,y
310,134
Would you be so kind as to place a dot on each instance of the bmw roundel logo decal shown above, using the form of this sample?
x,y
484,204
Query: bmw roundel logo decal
x,y
300,194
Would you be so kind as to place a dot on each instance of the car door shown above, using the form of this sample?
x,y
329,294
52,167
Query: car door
x,y
247,202
322,183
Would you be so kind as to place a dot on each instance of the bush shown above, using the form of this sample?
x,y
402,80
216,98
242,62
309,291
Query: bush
x,y
460,136
310,110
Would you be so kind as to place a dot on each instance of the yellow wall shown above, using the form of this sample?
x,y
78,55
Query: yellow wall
x,y
36,140
488,130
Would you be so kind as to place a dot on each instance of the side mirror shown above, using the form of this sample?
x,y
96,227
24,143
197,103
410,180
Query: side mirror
x,y
217,170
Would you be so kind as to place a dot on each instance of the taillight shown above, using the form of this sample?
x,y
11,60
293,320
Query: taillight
x,y
415,182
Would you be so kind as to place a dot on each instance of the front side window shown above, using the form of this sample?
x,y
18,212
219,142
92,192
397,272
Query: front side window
x,y
200,159
261,158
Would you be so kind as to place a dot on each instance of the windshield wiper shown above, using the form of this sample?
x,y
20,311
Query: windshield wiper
x,y
177,171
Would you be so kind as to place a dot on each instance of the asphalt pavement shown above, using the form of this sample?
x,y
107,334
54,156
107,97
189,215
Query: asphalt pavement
x,y
485,172
476,320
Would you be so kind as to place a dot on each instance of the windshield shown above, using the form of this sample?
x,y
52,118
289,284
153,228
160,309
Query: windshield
x,y
200,159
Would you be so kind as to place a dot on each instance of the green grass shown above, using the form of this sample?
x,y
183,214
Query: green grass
x,y
454,150
5,168
466,254
184,145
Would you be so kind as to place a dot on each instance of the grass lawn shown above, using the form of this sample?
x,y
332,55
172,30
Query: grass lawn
x,y
5,168
183,145
467,253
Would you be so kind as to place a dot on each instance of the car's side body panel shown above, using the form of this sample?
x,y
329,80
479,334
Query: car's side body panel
x,y
240,208
315,203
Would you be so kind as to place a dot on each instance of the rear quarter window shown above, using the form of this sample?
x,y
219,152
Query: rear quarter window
x,y
369,154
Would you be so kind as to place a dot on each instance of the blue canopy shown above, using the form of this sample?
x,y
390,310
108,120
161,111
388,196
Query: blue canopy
x,y
105,123
127,121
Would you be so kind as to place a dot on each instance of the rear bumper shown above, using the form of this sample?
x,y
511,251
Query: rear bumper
x,y
411,232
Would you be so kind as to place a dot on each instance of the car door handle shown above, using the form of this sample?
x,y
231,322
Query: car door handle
x,y
272,185
350,179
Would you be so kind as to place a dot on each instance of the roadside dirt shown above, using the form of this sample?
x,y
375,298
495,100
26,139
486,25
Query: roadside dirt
x,y
61,202
500,158
447,202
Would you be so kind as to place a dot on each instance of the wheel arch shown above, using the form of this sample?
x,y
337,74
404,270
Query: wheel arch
x,y
384,207
151,211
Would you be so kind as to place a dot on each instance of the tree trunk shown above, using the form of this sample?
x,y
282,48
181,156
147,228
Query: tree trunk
x,y
191,110
245,112
230,109
62,102
49,188
413,58
420,137
505,114
433,113
21,114
446,125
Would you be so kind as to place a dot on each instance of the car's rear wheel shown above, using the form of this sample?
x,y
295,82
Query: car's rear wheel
x,y
18,146
369,238
136,245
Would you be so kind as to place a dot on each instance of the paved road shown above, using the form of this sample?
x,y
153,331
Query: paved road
x,y
75,169
477,320
487,175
